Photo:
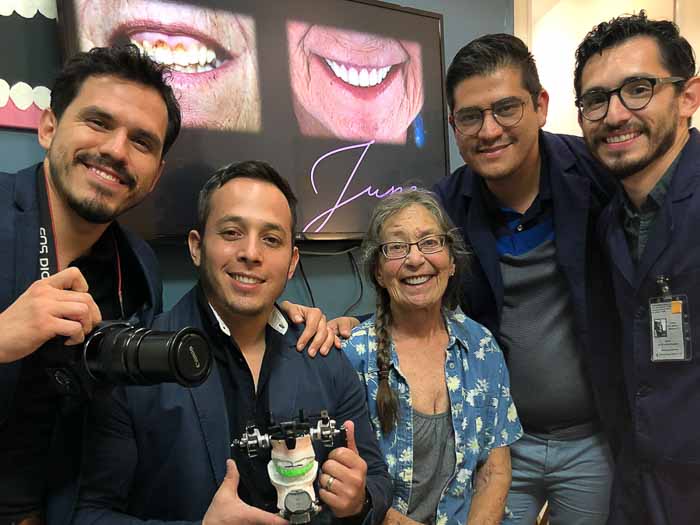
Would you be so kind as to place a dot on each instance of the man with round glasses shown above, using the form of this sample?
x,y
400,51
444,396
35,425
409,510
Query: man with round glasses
x,y
636,92
526,202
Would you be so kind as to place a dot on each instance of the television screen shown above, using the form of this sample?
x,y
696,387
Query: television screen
x,y
343,97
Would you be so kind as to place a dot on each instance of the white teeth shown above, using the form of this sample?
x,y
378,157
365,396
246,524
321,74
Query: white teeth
x,y
196,59
417,280
28,8
105,175
244,279
359,77
23,96
620,138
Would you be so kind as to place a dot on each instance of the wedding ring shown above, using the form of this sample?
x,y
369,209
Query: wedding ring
x,y
329,483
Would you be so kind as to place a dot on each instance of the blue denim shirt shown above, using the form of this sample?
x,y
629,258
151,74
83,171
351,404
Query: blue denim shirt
x,y
483,414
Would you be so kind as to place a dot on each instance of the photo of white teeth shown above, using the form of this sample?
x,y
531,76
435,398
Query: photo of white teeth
x,y
359,77
195,59
23,95
28,8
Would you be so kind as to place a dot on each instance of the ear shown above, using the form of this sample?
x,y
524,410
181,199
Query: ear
x,y
158,175
47,128
194,241
293,263
542,107
378,277
451,120
689,98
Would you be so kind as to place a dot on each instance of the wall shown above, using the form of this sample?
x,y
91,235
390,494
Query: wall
x,y
333,282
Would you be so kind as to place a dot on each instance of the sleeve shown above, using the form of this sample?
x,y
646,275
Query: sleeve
x,y
353,406
109,464
506,424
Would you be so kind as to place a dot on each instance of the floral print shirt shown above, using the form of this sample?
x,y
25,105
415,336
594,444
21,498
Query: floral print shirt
x,y
483,414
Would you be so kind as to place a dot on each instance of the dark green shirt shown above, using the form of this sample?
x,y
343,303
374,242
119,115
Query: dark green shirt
x,y
638,223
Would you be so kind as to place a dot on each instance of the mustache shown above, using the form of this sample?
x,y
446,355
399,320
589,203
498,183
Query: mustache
x,y
106,161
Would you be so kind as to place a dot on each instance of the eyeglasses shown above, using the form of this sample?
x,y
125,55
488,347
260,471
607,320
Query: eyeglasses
x,y
635,94
507,113
426,245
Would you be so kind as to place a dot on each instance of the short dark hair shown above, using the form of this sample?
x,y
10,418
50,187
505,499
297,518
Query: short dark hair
x,y
676,53
249,169
125,62
487,54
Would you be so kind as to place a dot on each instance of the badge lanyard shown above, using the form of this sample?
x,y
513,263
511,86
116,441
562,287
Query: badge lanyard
x,y
48,248
669,324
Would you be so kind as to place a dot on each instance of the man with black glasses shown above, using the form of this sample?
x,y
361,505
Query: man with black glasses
x,y
526,202
636,92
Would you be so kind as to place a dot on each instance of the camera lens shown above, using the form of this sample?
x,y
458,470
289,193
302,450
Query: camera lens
x,y
122,354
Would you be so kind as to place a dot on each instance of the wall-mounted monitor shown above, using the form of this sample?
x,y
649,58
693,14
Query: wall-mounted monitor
x,y
343,97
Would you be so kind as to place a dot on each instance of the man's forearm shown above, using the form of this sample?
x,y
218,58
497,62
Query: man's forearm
x,y
491,489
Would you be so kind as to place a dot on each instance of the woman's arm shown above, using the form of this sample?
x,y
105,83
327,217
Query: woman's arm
x,y
490,489
394,517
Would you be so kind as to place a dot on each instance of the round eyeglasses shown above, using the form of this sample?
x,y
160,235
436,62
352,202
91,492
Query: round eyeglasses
x,y
634,93
426,245
507,113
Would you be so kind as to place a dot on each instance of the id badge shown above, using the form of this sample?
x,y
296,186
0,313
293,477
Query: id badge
x,y
670,329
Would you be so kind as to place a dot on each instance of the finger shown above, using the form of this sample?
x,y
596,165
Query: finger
x,y
261,517
73,311
90,316
293,311
337,343
315,321
346,325
232,477
72,330
329,343
350,435
68,279
320,337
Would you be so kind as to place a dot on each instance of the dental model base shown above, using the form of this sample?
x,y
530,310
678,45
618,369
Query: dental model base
x,y
293,466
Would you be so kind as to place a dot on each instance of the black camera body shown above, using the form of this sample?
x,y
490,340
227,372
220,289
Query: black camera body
x,y
118,353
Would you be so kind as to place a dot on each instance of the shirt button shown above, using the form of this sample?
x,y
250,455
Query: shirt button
x,y
519,227
640,312
452,366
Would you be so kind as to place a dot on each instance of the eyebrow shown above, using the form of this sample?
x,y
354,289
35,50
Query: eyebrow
x,y
238,219
497,102
95,111
637,76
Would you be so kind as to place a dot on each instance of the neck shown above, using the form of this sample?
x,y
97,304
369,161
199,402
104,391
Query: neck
x,y
518,190
74,235
421,323
638,185
248,332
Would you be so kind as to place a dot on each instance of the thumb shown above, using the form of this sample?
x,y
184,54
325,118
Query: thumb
x,y
350,436
232,476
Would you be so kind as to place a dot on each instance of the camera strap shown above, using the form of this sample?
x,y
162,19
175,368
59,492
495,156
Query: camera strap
x,y
48,247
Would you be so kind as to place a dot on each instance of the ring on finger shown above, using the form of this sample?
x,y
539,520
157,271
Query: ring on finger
x,y
329,483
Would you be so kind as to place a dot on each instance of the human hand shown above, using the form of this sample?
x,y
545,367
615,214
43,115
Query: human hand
x,y
56,306
316,327
227,508
343,478
342,326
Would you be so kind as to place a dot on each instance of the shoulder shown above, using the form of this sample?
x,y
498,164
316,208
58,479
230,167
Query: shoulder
x,y
184,313
451,188
361,344
475,338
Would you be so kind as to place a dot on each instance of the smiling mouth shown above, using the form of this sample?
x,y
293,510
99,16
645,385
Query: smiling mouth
x,y
419,279
182,51
245,279
616,139
358,76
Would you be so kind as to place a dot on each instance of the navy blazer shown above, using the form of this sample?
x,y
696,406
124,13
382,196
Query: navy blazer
x,y
159,452
663,397
19,237
580,189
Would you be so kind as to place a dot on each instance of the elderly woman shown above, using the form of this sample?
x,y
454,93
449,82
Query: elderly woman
x,y
437,385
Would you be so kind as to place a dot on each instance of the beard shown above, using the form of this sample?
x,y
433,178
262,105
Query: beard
x,y
660,142
93,210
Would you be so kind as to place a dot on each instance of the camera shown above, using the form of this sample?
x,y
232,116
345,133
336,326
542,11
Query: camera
x,y
118,353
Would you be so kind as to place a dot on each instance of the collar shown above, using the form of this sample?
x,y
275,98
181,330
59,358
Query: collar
x,y
276,321
656,197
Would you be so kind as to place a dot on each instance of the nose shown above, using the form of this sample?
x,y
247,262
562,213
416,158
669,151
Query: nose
x,y
116,144
250,252
490,129
415,257
617,112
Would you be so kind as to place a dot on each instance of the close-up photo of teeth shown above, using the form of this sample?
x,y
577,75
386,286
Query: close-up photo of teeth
x,y
29,8
358,76
183,57
21,104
